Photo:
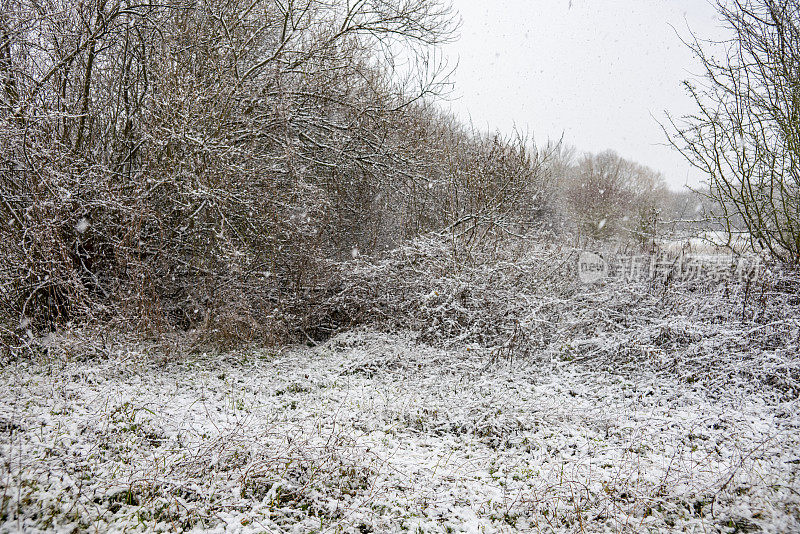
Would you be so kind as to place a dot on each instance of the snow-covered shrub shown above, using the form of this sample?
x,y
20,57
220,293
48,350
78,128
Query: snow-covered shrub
x,y
430,287
524,299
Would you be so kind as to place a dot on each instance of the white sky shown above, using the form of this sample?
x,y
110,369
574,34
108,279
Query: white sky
x,y
602,72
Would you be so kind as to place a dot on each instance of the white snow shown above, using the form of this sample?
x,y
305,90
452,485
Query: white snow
x,y
380,433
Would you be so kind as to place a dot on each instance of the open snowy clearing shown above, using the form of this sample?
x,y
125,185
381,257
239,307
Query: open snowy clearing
x,y
378,433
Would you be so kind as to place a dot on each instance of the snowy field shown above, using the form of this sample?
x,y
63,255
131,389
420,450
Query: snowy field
x,y
378,433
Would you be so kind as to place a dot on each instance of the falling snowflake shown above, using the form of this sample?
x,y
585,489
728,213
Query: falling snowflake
x,y
82,225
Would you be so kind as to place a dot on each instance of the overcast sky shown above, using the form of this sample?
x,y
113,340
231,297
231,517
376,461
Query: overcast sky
x,y
602,72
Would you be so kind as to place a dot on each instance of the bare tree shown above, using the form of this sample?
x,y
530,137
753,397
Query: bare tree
x,y
609,195
650,200
745,133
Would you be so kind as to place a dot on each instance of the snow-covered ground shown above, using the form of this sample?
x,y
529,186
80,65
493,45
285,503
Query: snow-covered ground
x,y
380,433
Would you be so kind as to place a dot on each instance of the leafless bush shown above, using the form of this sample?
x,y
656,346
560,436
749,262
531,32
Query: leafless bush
x,y
525,300
496,187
